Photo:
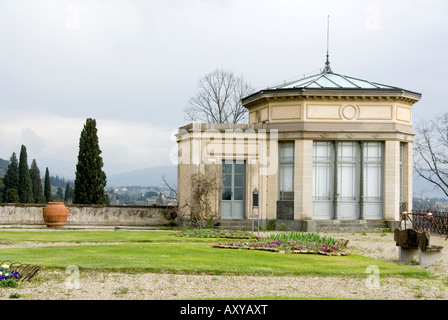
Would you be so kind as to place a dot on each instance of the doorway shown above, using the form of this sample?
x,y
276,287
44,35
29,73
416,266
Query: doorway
x,y
233,189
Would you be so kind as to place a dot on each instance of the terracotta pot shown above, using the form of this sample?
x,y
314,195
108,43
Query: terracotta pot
x,y
55,214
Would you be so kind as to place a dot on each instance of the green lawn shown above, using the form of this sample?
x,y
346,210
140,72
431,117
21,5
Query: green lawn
x,y
95,236
158,251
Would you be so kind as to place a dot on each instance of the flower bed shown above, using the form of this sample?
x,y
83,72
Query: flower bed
x,y
8,277
215,233
292,243
12,273
280,246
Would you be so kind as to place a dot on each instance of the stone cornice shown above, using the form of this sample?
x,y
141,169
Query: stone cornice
x,y
378,95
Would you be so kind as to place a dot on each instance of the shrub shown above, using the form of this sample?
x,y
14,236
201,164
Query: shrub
x,y
304,237
215,233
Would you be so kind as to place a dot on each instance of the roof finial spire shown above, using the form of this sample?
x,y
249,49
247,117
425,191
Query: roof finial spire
x,y
327,63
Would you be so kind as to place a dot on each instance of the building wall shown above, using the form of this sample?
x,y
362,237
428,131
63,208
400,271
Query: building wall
x,y
346,109
203,147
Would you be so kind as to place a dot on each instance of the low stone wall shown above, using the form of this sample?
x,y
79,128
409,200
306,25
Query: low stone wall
x,y
92,215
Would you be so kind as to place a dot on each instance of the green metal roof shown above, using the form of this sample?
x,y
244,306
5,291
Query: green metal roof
x,y
328,82
332,81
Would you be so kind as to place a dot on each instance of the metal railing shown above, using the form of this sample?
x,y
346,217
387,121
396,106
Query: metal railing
x,y
428,221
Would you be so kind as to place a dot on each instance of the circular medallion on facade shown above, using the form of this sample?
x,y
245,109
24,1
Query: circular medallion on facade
x,y
349,112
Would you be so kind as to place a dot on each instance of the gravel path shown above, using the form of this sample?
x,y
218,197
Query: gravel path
x,y
93,285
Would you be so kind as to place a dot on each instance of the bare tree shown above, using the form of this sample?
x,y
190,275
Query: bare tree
x,y
219,99
203,193
431,151
173,188
204,188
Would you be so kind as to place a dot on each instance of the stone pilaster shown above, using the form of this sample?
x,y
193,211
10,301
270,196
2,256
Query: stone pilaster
x,y
391,180
407,175
303,180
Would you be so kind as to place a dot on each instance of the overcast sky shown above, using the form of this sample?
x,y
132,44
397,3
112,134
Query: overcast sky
x,y
133,64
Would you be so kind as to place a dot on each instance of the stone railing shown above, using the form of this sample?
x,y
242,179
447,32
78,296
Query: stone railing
x,y
91,215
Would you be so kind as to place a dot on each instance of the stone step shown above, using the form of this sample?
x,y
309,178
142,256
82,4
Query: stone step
x,y
346,226
238,224
316,225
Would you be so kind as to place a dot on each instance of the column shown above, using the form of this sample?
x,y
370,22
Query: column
x,y
407,174
303,180
391,180
270,178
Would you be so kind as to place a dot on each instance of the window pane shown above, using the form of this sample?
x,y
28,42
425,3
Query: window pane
x,y
372,151
226,194
373,171
227,180
286,170
372,182
227,169
286,151
239,180
286,195
347,151
347,182
239,168
286,178
238,194
322,182
322,151
322,168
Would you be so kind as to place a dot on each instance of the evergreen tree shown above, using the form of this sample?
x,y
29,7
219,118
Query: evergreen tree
x,y
90,179
12,196
60,194
68,195
47,187
11,180
2,190
38,193
25,184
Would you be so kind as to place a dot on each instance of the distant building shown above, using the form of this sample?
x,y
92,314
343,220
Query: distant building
x,y
324,150
160,198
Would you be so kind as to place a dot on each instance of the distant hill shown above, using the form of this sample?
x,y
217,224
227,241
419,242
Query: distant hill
x,y
153,177
3,167
144,177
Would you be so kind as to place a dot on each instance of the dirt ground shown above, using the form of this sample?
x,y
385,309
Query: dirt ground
x,y
93,285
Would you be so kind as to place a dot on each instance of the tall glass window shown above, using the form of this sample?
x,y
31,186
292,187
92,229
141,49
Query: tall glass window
x,y
347,170
286,170
322,168
347,179
373,167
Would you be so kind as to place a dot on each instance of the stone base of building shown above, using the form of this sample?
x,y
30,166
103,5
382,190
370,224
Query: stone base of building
x,y
312,225
346,225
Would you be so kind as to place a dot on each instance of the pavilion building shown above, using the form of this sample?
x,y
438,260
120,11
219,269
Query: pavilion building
x,y
326,152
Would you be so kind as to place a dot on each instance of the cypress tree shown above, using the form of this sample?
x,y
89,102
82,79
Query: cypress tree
x,y
11,180
90,180
68,194
60,194
12,196
25,184
47,187
36,180
2,190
